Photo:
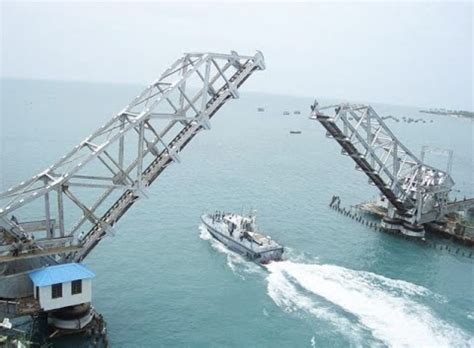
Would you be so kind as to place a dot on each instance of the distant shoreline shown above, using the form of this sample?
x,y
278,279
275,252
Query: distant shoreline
x,y
454,113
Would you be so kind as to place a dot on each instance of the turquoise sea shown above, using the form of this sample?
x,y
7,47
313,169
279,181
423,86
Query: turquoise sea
x,y
160,280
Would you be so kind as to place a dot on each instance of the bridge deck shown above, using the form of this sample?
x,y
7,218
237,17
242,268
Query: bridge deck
x,y
460,205
37,253
128,198
359,159
450,208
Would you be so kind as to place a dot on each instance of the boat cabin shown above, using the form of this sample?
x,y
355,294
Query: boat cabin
x,y
62,286
238,222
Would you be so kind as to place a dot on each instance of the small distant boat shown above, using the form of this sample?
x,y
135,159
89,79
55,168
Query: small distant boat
x,y
239,233
286,113
260,109
295,132
297,112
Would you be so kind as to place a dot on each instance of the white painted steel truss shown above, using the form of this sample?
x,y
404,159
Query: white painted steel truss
x,y
113,167
413,188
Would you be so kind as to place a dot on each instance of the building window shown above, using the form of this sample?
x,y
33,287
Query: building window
x,y
76,286
57,290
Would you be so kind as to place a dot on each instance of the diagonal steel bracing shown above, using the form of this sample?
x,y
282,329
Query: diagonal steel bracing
x,y
86,192
413,188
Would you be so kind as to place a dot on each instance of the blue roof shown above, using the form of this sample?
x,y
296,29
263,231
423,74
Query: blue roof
x,y
60,274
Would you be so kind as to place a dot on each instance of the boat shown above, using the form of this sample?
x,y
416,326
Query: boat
x,y
239,234
286,113
295,132
297,112
260,109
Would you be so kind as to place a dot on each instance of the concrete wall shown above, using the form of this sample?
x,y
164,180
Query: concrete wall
x,y
48,303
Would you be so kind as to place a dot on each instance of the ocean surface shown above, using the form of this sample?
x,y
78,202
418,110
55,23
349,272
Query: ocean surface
x,y
161,280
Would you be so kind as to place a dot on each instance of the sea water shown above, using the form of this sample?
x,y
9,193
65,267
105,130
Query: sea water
x,y
162,281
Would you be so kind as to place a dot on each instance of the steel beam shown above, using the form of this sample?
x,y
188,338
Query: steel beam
x,y
407,182
155,126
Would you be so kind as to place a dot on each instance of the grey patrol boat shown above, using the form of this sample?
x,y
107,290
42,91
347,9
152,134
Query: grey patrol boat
x,y
239,233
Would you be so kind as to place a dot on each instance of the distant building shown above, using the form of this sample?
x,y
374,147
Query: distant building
x,y
62,286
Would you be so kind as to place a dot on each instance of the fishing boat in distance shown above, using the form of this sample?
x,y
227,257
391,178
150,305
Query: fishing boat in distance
x,y
295,132
239,233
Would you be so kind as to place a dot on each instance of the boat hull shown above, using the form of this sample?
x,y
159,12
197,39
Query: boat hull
x,y
263,257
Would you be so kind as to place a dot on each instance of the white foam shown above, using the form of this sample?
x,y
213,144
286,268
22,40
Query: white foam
x,y
237,263
285,295
387,307
204,233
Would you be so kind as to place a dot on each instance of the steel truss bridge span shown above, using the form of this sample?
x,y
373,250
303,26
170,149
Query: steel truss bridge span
x,y
104,175
417,192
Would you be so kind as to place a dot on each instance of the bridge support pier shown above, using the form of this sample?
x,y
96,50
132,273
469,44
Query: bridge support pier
x,y
416,193
401,226
72,318
413,230
392,225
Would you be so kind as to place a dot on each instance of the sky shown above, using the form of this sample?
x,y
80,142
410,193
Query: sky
x,y
409,53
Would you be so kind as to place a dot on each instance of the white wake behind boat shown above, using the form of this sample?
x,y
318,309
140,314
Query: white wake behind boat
x,y
239,233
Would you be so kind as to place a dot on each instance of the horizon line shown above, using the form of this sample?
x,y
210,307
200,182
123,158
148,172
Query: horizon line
x,y
138,84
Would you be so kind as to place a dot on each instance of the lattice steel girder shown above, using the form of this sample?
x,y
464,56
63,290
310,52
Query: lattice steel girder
x,y
410,185
148,133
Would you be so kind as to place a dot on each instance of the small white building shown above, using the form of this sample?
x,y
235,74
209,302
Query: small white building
x,y
62,286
